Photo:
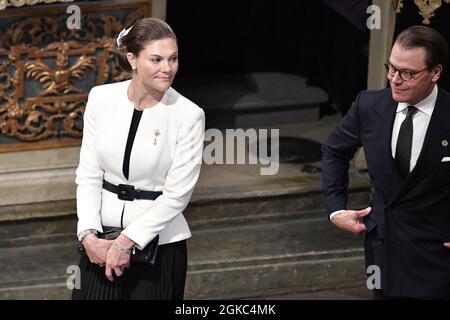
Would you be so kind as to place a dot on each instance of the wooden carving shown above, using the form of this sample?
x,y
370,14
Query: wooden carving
x,y
46,71
21,3
426,8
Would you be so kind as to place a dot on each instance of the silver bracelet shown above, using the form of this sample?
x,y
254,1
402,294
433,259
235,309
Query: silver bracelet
x,y
84,233
121,248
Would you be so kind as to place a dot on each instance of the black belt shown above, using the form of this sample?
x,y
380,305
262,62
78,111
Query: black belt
x,y
129,193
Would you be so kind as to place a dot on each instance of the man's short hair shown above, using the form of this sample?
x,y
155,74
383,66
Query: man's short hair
x,y
433,42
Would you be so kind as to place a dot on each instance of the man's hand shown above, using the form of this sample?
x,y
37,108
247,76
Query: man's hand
x,y
351,220
447,245
96,249
117,260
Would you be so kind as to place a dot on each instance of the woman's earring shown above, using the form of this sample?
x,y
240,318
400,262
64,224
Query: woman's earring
x,y
134,68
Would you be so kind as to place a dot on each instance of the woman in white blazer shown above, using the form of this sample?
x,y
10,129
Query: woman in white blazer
x,y
140,134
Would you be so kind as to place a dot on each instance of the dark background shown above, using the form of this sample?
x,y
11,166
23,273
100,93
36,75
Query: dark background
x,y
307,38
324,40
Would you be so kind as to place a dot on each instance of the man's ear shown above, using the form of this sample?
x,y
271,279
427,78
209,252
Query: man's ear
x,y
437,71
131,60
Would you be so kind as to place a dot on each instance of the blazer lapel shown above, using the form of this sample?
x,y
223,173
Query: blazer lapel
x,y
384,136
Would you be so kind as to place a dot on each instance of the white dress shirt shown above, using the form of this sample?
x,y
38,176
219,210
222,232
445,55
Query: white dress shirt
x,y
421,120
168,161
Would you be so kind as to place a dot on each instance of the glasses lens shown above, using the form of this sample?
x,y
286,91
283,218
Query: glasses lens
x,y
405,75
390,69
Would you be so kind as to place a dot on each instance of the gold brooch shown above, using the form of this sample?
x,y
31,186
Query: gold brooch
x,y
157,134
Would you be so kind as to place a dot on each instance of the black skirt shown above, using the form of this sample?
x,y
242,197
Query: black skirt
x,y
165,280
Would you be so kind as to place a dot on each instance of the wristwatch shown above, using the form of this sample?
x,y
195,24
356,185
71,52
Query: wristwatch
x,y
84,233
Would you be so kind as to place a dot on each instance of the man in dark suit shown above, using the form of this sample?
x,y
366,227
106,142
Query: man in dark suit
x,y
405,133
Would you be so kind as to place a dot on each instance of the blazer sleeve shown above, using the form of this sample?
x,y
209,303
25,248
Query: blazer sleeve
x,y
179,183
89,174
338,150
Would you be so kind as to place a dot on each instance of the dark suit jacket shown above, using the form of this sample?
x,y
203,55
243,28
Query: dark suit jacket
x,y
410,218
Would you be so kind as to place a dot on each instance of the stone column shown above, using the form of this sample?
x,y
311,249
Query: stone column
x,y
379,51
380,46
159,8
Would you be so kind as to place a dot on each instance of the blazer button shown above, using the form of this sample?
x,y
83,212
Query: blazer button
x,y
380,241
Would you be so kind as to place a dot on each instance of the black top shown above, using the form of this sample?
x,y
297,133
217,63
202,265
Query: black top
x,y
137,114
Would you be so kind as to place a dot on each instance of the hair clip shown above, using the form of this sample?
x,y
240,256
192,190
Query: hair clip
x,y
122,34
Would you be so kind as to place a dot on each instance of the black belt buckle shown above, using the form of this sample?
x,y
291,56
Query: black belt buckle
x,y
125,192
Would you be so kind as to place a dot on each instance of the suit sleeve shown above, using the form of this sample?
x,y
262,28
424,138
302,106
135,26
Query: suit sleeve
x,y
89,174
179,184
338,150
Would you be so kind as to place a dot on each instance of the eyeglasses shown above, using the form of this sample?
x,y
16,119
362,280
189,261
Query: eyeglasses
x,y
404,74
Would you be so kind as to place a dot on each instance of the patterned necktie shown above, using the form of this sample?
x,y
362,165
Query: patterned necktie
x,y
404,143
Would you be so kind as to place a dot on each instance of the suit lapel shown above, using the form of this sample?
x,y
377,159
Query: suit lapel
x,y
384,137
432,149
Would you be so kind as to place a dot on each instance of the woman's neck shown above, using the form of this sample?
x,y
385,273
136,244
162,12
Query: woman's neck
x,y
143,97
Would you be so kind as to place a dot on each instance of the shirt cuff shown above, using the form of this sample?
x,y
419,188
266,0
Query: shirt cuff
x,y
336,213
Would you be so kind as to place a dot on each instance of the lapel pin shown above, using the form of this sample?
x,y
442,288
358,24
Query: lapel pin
x,y
157,134
444,143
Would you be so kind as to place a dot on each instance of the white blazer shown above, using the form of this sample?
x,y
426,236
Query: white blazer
x,y
172,165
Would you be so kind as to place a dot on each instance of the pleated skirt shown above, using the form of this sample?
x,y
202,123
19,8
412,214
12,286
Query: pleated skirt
x,y
165,280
